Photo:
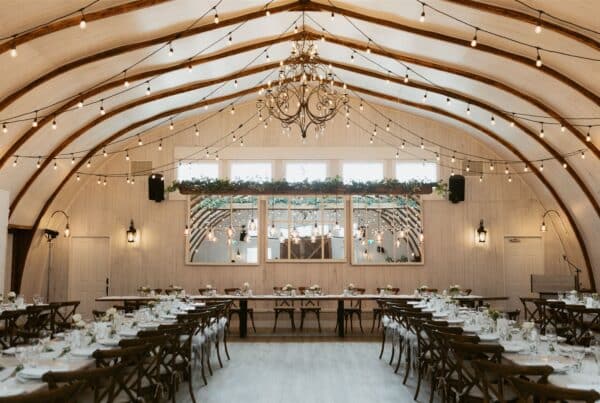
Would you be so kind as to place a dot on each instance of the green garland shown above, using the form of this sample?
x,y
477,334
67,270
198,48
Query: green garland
x,y
330,186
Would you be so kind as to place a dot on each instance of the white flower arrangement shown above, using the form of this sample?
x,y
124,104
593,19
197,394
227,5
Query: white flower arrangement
x,y
208,287
12,296
246,287
80,324
287,287
315,287
109,315
454,289
76,317
351,286
389,287
424,288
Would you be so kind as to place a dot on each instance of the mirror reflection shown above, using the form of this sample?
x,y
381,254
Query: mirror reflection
x,y
223,230
305,228
386,230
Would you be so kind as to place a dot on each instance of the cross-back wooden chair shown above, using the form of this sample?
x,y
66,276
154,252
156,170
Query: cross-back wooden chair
x,y
8,333
198,323
100,381
468,383
530,309
234,309
63,394
62,314
309,306
582,321
132,359
437,351
39,319
283,306
411,321
378,310
543,393
493,378
354,309
97,314
154,365
179,354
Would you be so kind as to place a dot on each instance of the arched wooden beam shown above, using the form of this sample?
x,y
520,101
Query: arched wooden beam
x,y
470,75
226,21
132,78
75,20
123,108
429,108
520,16
529,62
257,69
509,147
492,109
313,35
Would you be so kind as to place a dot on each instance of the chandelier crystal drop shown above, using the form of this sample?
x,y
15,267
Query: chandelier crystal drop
x,y
304,94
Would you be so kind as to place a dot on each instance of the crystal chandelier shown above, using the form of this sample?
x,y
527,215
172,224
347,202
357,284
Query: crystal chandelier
x,y
304,93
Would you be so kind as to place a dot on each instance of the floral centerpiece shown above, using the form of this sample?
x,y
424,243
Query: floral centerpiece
x,y
109,315
179,291
454,290
288,288
210,290
389,289
144,290
423,288
493,314
245,288
315,288
11,296
78,321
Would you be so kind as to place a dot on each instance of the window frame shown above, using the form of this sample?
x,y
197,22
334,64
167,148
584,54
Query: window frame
x,y
416,162
344,162
267,162
287,162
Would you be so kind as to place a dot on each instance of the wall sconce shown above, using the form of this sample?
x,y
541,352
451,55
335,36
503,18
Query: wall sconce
x,y
186,231
131,233
543,226
481,233
67,230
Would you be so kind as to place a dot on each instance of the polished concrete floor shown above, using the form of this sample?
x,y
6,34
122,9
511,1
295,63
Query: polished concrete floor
x,y
289,370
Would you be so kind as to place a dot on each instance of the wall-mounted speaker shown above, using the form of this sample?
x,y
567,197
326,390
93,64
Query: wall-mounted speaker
x,y
156,187
456,188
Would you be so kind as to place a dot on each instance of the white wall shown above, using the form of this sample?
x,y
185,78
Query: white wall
x,y
4,203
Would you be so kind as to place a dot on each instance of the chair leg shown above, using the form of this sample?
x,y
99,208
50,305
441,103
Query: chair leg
x,y
352,322
190,386
373,324
225,344
210,371
382,344
202,359
360,322
420,369
251,313
393,353
319,320
218,354
292,320
275,325
302,314
408,360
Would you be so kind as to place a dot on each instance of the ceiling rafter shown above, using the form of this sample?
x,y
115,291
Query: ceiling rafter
x,y
369,73
386,97
74,21
530,19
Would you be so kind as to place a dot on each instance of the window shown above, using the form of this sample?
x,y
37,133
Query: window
x,y
305,170
414,170
362,171
196,170
251,171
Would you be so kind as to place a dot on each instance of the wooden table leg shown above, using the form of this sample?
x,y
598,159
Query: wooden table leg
x,y
340,317
243,318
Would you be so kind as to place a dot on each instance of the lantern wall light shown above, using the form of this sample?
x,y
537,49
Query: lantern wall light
x,y
131,233
481,233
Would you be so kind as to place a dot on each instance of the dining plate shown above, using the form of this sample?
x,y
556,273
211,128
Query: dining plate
x,y
83,352
9,351
455,321
12,390
33,372
513,347
440,315
488,337
560,339
109,342
148,325
128,333
471,329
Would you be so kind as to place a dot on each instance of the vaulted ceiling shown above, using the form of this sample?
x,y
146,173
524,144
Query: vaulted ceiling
x,y
371,44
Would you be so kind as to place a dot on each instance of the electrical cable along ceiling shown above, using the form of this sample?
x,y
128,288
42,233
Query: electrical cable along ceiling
x,y
84,80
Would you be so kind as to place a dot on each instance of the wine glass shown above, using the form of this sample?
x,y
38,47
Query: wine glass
x,y
551,337
595,348
578,352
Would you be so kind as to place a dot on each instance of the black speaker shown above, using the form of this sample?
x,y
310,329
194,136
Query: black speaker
x,y
156,187
456,188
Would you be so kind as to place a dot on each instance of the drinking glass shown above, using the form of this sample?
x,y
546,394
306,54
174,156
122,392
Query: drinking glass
x,y
595,347
551,337
578,353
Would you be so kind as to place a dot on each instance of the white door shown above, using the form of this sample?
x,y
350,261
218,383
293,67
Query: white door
x,y
523,256
89,269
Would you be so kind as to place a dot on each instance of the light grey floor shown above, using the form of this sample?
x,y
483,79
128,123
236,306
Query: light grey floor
x,y
303,371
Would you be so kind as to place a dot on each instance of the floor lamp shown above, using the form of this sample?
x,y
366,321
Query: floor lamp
x,y
50,236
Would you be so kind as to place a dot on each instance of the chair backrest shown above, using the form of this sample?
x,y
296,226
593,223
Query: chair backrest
x,y
64,394
62,313
281,302
306,302
102,381
464,355
530,310
546,392
494,377
357,303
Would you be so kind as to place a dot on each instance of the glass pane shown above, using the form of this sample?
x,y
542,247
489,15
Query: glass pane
x,y
386,230
407,171
223,229
197,170
306,228
305,170
251,171
362,171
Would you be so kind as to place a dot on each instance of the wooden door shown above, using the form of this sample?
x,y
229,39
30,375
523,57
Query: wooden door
x,y
523,256
89,269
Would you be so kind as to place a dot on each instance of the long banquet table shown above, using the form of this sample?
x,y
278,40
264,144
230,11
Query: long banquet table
x,y
340,298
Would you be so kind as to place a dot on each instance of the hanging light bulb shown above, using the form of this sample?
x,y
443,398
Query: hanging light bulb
x,y
480,178
437,156
89,164
77,178
125,80
492,120
54,125
406,77
509,178
98,181
160,145
148,89
397,154
542,167
241,142
448,102
468,109
38,164
491,166
13,50
538,60
332,16
126,155
267,13
387,127
582,154
525,168
104,153
542,130
252,225
171,125
216,157
474,40
538,24
4,128
361,105
80,103
369,46
186,230
196,131
235,83
15,162
403,145
232,111
506,170
82,22
422,17
34,123
55,167
102,111
216,19
422,144
453,159
229,41
140,142
564,165
72,159
588,136
562,128
375,131
421,237
468,168
424,97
